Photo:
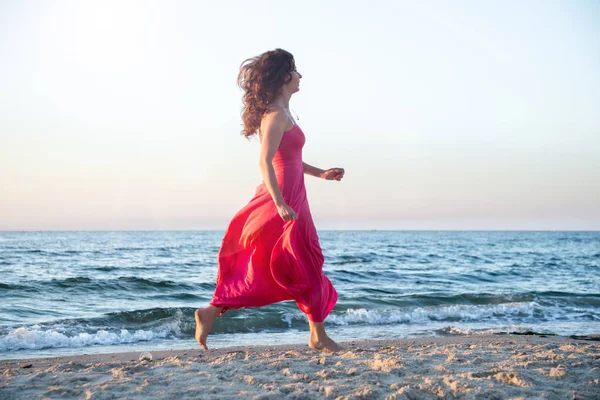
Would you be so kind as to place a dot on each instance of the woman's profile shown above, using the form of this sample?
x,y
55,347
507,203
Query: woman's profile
x,y
270,251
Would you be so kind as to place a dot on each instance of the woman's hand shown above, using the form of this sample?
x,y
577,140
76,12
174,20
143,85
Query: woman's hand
x,y
333,174
286,212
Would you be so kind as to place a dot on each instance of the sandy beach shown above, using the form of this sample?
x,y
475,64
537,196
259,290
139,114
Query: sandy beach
x,y
482,367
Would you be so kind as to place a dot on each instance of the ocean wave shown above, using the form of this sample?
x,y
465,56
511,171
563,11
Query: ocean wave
x,y
159,323
107,268
133,326
36,339
123,283
47,252
457,331
108,329
11,286
423,315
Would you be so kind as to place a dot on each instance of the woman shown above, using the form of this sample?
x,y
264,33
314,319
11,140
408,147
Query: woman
x,y
271,251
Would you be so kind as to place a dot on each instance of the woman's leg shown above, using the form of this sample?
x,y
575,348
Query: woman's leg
x,y
319,339
205,317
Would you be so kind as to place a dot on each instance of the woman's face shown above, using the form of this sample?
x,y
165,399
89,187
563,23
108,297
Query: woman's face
x,y
296,76
293,85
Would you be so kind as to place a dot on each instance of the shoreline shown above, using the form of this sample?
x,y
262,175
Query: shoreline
x,y
483,367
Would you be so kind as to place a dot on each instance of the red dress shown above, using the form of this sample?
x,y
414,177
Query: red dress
x,y
264,259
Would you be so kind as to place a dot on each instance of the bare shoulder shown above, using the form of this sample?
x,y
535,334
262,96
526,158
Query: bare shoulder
x,y
274,119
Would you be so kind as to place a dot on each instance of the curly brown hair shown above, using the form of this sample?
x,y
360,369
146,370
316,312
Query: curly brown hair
x,y
261,79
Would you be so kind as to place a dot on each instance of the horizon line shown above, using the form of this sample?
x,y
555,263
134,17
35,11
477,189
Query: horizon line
x,y
318,230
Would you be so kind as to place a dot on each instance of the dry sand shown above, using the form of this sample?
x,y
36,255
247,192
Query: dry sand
x,y
484,367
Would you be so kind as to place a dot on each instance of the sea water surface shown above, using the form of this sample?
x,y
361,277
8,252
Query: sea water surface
x,y
93,292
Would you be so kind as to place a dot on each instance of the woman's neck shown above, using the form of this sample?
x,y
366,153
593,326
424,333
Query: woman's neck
x,y
282,100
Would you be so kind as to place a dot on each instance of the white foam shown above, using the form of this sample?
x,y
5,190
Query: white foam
x,y
423,315
454,330
34,338
288,317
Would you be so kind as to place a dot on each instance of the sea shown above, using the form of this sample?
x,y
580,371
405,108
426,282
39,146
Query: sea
x,y
84,292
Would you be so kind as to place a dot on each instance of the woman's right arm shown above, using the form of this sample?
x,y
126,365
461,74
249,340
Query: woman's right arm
x,y
272,127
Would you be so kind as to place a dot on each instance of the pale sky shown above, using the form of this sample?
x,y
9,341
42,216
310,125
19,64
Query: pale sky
x,y
445,115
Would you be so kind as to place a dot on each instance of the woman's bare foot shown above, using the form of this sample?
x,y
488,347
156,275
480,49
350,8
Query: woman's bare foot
x,y
205,317
326,345
319,340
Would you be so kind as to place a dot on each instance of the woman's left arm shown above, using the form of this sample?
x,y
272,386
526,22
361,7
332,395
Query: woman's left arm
x,y
329,174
